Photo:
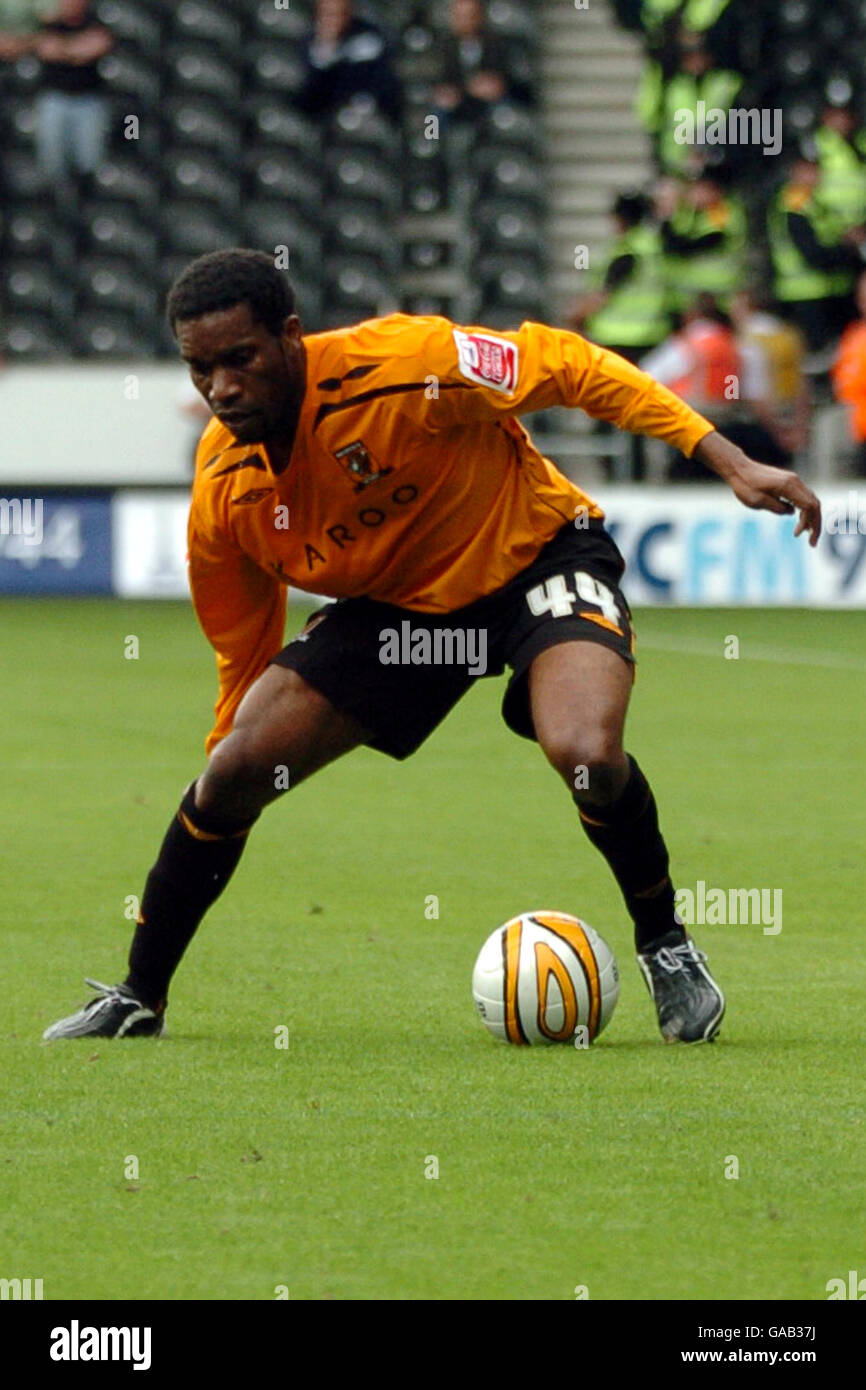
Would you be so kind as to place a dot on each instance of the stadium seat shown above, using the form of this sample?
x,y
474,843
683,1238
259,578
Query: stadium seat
x,y
424,176
351,229
796,63
33,337
360,125
32,286
114,230
801,114
839,87
33,231
417,60
357,287
277,125
490,268
24,76
198,68
20,124
513,21
201,121
275,67
21,178
795,16
503,225
130,76
108,335
509,175
192,173
132,23
270,224
511,287
208,22
361,176
126,181
109,282
293,22
512,126
273,173
427,254
195,228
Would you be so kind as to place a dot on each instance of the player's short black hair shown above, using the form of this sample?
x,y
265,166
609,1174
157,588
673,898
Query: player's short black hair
x,y
221,279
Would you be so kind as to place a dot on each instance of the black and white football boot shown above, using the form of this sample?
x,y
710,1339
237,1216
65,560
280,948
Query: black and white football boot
x,y
688,1001
114,1013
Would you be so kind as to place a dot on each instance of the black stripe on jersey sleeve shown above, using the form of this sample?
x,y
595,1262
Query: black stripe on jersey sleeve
x,y
398,388
333,383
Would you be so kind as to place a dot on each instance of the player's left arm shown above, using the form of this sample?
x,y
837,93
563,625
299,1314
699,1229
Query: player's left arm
x,y
484,375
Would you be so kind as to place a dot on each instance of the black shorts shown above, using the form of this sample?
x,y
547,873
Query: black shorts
x,y
399,672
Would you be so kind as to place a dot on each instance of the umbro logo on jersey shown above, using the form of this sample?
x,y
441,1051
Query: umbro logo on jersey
x,y
358,463
255,494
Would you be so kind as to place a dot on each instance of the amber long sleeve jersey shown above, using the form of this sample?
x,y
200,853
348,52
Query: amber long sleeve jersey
x,y
410,479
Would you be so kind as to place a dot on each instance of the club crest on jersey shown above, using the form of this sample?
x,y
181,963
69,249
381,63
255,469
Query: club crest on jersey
x,y
488,360
359,465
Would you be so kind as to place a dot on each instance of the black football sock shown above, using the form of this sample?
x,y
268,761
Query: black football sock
x,y
627,833
197,858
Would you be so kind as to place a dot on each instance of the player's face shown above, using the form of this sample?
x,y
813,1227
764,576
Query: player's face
x,y
252,380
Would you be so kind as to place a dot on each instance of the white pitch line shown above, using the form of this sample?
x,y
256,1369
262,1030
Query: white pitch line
x,y
781,656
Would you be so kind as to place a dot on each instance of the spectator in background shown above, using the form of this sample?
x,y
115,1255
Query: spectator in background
x,y
701,362
849,375
774,387
840,143
662,99
627,309
347,57
815,259
704,234
475,69
72,109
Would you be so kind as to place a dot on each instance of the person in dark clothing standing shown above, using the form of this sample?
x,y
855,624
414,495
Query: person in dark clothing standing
x,y
347,57
475,67
72,109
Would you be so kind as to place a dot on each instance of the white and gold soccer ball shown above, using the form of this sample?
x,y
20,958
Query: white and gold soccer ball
x,y
545,977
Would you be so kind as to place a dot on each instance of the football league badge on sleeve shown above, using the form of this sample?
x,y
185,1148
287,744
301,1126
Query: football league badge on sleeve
x,y
487,359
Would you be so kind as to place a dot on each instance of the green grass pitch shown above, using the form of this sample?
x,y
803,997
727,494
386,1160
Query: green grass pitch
x,y
304,1167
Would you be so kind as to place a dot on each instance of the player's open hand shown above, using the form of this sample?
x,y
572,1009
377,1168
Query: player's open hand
x,y
778,490
761,486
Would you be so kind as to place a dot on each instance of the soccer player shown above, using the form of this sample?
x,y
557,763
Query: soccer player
x,y
383,465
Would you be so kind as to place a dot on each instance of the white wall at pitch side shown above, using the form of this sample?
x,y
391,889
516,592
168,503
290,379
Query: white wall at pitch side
x,y
112,425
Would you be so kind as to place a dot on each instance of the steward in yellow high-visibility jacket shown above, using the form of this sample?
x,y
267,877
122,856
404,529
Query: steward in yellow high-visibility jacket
x,y
841,150
673,108
627,309
704,241
815,261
